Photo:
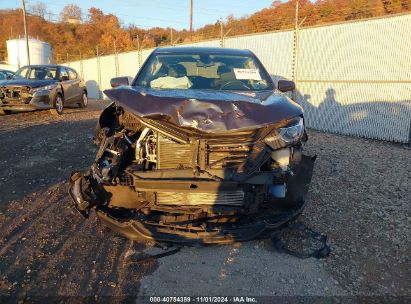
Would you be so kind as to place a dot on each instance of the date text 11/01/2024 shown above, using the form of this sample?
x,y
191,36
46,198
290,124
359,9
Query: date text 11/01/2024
x,y
205,299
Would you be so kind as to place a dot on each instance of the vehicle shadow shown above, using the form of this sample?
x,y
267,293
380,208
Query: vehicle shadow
x,y
383,120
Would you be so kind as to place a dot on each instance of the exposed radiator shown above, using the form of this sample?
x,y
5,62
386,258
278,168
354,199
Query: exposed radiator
x,y
230,198
173,155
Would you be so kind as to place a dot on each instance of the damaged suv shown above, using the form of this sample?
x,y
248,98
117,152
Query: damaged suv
x,y
200,147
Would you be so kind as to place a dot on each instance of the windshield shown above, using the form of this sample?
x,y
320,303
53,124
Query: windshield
x,y
36,73
210,72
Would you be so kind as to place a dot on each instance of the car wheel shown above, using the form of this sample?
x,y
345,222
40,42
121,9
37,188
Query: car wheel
x,y
84,100
58,104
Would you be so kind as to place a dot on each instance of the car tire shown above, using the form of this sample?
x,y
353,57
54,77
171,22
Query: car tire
x,y
58,104
84,100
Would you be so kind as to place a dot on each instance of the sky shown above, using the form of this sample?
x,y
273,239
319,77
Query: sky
x,y
162,13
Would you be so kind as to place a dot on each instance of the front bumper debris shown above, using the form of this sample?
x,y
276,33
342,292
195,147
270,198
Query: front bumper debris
x,y
41,102
243,225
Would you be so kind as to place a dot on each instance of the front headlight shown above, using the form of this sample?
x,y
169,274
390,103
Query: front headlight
x,y
285,136
292,134
45,88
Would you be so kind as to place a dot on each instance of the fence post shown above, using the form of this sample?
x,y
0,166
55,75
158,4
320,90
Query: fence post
x,y
81,66
221,33
98,71
295,51
409,136
116,59
18,52
139,52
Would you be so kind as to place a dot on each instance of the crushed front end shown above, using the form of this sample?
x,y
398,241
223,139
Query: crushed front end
x,y
156,180
19,98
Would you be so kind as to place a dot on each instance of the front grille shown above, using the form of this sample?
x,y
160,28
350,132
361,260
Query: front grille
x,y
223,157
15,95
15,92
230,198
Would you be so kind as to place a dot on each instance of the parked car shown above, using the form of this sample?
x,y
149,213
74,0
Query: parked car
x,y
202,146
5,74
40,87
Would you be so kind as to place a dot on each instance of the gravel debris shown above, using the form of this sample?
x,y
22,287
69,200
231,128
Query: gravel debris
x,y
360,197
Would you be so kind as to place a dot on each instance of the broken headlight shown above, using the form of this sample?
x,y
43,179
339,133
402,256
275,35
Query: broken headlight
x,y
45,88
293,133
289,135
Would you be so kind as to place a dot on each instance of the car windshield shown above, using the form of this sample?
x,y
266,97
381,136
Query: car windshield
x,y
36,73
204,72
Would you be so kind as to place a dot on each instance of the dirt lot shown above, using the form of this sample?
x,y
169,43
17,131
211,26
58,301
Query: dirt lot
x,y
360,196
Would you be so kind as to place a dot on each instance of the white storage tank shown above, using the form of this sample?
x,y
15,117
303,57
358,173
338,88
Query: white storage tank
x,y
40,52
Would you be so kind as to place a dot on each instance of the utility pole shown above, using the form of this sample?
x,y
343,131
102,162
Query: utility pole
x,y
191,20
295,49
25,31
171,36
222,34
296,14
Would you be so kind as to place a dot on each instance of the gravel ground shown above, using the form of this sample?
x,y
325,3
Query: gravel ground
x,y
360,196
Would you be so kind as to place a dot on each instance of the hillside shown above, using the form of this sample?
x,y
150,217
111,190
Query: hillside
x,y
105,30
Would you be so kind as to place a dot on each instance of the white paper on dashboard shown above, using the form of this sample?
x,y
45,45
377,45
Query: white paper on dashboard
x,y
247,74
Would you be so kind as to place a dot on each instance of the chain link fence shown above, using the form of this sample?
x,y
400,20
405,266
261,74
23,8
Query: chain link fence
x,y
352,78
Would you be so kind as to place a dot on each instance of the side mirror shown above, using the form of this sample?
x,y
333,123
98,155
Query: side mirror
x,y
119,81
9,77
285,85
64,78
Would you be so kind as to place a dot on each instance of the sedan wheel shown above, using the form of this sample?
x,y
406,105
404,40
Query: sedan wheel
x,y
84,100
58,104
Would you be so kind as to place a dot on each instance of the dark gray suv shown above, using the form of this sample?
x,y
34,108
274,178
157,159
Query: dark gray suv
x,y
40,87
202,147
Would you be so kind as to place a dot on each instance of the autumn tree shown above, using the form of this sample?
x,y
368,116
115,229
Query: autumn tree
x,y
39,9
105,30
70,11
395,6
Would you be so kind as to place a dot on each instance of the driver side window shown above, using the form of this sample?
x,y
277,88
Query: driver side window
x,y
63,73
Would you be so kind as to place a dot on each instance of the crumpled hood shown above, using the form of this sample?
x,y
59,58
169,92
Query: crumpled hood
x,y
27,82
207,110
